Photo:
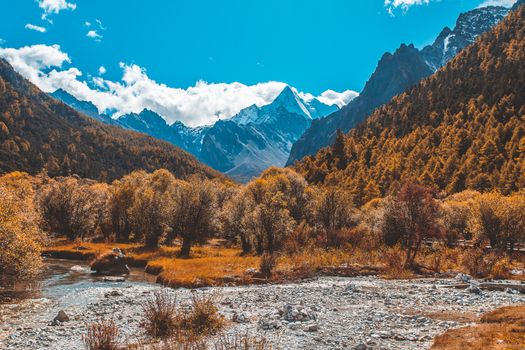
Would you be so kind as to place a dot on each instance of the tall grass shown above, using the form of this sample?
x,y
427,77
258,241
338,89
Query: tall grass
x,y
102,335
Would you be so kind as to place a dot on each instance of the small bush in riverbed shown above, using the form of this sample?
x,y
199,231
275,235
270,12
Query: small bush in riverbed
x,y
242,342
204,317
267,264
178,342
102,335
161,315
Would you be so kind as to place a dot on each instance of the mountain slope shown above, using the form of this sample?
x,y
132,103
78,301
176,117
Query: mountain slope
x,y
464,127
37,131
394,74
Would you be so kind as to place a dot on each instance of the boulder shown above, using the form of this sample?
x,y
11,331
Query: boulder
x,y
112,263
474,289
77,269
60,318
462,277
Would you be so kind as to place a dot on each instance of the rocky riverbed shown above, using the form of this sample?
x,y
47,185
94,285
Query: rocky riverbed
x,y
323,313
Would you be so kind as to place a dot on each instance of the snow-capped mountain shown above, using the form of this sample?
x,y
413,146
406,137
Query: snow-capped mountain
x,y
468,27
258,137
396,73
242,146
287,100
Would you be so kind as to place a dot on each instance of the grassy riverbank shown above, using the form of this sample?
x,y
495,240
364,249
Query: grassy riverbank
x,y
215,264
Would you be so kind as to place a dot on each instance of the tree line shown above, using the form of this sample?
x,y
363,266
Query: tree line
x,y
279,212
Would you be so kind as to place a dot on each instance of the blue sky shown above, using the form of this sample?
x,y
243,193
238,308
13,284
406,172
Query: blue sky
x,y
311,45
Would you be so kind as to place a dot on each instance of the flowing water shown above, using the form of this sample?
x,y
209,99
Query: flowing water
x,y
63,284
61,277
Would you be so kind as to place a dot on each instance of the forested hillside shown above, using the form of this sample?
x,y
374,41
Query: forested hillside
x,y
462,128
38,132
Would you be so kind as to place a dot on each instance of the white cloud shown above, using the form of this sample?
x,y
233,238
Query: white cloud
x,y
94,35
32,61
87,24
102,70
504,3
331,97
54,6
100,25
36,28
201,104
391,5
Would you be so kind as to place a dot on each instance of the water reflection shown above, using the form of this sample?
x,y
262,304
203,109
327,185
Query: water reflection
x,y
61,277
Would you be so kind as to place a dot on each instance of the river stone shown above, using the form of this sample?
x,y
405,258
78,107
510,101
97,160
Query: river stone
x,y
77,268
61,317
113,263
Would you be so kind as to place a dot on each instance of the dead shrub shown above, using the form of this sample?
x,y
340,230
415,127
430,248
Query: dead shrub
x,y
478,263
303,237
242,342
501,269
395,263
267,264
160,312
102,335
204,318
338,238
177,342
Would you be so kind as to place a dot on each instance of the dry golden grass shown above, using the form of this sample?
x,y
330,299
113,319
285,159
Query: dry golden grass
x,y
102,336
204,271
214,264
502,329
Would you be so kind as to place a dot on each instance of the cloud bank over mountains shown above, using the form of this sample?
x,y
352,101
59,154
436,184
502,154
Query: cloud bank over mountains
x,y
202,104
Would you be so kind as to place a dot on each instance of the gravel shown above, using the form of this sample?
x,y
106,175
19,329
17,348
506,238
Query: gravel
x,y
323,313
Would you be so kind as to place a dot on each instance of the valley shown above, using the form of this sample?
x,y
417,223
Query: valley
x,y
135,215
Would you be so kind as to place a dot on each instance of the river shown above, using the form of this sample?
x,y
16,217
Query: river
x,y
320,313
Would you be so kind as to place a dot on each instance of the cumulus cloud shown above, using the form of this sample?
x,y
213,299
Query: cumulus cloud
x,y
202,104
94,35
54,6
102,70
504,3
35,28
87,24
331,97
391,5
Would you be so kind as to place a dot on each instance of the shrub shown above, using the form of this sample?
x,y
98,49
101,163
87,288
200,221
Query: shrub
x,y
394,258
501,268
102,335
267,264
177,342
161,315
204,318
242,342
478,263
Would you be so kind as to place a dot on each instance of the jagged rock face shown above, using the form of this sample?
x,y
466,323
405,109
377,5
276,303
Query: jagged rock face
x,y
395,73
468,27
257,138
